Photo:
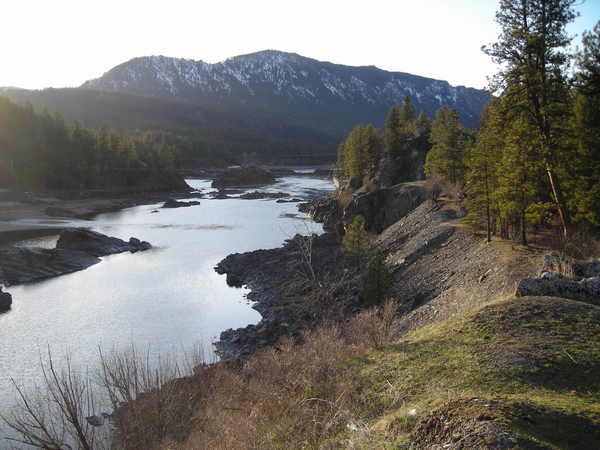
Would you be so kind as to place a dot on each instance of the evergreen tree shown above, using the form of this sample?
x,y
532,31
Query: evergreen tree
x,y
519,175
445,159
41,151
481,162
392,131
582,167
355,244
422,124
377,282
399,136
407,115
530,52
362,150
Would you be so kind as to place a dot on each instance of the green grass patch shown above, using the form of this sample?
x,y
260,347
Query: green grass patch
x,y
540,356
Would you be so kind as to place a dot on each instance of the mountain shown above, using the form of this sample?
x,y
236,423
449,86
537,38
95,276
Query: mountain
x,y
321,95
270,106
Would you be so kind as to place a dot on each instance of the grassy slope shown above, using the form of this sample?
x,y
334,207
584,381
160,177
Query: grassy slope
x,y
534,364
486,370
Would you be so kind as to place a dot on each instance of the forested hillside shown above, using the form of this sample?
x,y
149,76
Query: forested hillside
x,y
270,107
39,151
214,134
534,162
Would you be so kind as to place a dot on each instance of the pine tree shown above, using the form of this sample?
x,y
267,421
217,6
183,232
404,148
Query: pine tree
x,y
582,168
481,162
362,150
519,175
399,139
445,159
392,131
407,115
355,244
422,124
530,52
377,282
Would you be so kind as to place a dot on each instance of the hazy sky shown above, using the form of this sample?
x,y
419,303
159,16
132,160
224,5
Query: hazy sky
x,y
61,43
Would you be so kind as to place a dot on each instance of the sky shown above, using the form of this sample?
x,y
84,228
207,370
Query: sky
x,y
62,43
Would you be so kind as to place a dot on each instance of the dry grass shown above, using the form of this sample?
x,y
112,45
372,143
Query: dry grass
x,y
292,395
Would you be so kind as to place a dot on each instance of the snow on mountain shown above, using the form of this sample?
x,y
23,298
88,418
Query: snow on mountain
x,y
286,81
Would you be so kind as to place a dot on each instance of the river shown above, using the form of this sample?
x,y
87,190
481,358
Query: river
x,y
165,299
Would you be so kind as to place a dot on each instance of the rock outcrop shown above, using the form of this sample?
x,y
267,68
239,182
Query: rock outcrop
x,y
325,210
552,285
564,277
97,244
572,268
22,265
75,250
278,279
173,203
257,195
248,176
383,207
380,208
5,300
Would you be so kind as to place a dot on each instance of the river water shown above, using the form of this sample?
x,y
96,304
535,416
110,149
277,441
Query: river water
x,y
165,299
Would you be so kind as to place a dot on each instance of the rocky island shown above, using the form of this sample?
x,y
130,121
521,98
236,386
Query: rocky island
x,y
244,176
75,250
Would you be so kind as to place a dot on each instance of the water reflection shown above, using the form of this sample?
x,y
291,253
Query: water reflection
x,y
168,297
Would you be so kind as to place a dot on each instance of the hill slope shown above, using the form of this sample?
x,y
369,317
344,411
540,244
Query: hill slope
x,y
218,129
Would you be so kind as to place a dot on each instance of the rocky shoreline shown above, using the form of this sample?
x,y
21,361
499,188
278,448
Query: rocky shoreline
x,y
288,296
76,249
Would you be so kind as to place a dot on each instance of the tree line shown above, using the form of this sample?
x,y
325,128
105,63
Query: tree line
x,y
39,151
391,155
535,159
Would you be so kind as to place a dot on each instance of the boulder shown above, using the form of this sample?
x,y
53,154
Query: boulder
x,y
5,300
248,176
573,268
135,245
553,285
97,244
172,203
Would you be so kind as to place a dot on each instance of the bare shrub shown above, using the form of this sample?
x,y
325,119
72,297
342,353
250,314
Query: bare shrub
x,y
305,245
295,394
292,395
581,243
373,327
55,415
455,191
152,399
435,186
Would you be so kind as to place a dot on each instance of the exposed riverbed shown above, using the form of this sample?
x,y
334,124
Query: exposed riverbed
x,y
167,298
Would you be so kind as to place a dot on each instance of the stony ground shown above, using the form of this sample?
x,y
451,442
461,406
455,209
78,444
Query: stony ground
x,y
443,268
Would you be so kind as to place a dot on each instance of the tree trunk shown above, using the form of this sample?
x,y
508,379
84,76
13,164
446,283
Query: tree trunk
x,y
487,212
523,229
558,198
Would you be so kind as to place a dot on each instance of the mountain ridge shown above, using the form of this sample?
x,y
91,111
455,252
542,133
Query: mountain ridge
x,y
291,84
